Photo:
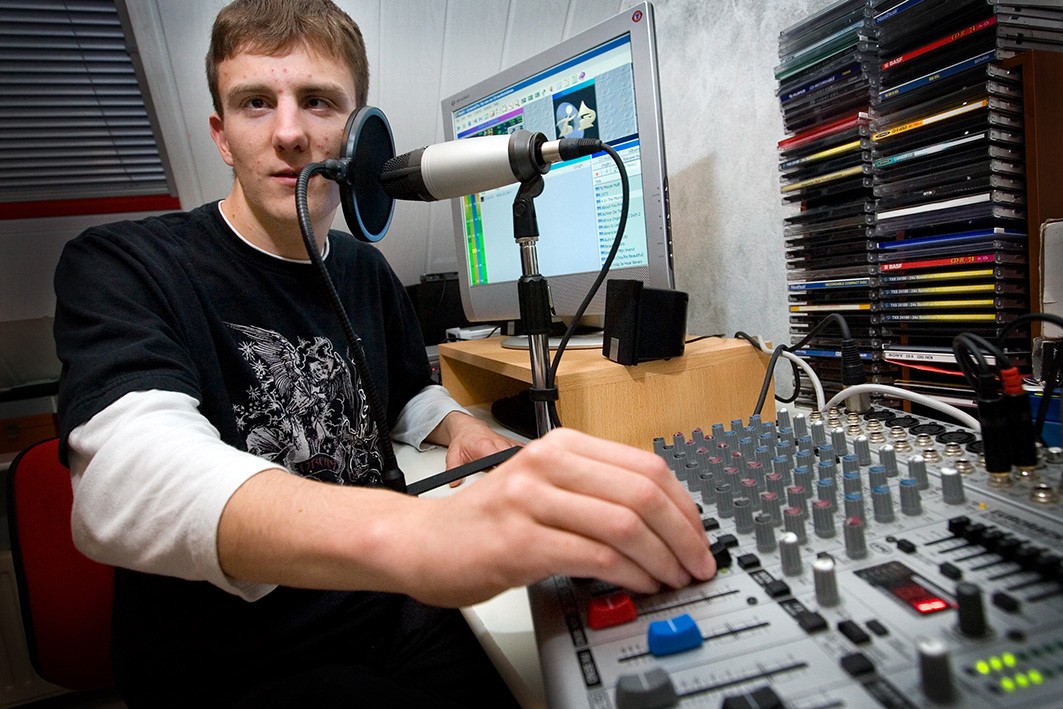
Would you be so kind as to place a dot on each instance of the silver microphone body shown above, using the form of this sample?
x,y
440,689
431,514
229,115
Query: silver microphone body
x,y
463,167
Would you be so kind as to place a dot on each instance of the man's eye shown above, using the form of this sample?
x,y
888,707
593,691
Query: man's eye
x,y
318,102
255,103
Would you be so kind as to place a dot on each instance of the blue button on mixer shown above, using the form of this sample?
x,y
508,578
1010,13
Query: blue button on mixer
x,y
679,634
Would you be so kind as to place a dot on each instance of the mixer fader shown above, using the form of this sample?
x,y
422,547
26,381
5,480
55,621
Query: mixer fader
x,y
864,561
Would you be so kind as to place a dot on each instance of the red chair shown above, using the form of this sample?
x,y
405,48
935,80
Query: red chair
x,y
65,596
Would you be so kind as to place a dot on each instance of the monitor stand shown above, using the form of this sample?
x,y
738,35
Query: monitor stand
x,y
584,341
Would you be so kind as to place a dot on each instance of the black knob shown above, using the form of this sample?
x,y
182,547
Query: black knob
x,y
935,671
971,610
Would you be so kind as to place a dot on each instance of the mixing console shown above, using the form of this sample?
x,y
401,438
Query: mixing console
x,y
864,561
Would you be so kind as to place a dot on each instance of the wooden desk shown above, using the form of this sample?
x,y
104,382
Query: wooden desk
x,y
716,380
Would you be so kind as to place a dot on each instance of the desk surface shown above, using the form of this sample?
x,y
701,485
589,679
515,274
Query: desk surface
x,y
503,624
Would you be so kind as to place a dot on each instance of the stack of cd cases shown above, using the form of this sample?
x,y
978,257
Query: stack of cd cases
x,y
1030,24
827,64
949,188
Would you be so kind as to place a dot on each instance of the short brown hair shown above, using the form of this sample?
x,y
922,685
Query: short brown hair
x,y
275,26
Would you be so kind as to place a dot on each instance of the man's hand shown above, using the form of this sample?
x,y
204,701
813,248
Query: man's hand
x,y
567,504
467,439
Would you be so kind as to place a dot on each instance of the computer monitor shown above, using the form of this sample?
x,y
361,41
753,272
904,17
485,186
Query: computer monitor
x,y
601,83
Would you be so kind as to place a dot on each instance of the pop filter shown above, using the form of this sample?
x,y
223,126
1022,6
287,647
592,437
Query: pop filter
x,y
367,146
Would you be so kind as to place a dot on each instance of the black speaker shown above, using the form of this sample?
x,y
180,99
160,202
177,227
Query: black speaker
x,y
437,300
643,324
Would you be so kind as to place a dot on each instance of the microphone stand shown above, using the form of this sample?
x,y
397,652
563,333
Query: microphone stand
x,y
534,296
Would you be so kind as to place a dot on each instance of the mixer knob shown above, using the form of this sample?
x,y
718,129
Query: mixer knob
x,y
775,483
724,500
800,425
794,522
819,435
971,611
837,439
745,444
755,422
952,486
862,448
917,471
797,496
765,533
887,456
781,465
825,581
823,519
690,474
743,513
790,554
854,505
911,504
652,689
763,452
876,475
935,671
660,447
855,544
851,482
827,491
882,504
771,504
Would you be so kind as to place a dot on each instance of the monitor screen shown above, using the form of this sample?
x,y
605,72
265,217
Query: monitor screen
x,y
599,84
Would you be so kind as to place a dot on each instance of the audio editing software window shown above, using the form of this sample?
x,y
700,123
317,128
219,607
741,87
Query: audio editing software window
x,y
589,96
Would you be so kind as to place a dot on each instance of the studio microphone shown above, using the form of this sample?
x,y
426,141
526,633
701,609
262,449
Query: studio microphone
x,y
470,165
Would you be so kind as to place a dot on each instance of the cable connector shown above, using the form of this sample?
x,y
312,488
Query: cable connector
x,y
1019,420
853,373
993,414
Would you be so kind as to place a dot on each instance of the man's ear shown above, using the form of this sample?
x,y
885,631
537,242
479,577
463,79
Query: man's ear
x,y
217,132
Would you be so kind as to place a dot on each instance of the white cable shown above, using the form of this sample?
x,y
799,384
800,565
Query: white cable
x,y
965,418
811,376
786,354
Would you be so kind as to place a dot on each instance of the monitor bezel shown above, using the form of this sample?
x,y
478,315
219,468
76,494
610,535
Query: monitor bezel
x,y
498,301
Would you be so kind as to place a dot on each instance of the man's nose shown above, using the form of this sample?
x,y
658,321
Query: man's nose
x,y
289,129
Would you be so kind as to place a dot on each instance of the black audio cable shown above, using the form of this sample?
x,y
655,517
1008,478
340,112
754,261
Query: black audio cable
x,y
1050,363
606,265
770,373
992,409
852,367
392,476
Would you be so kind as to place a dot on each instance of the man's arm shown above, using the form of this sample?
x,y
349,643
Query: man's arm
x,y
566,504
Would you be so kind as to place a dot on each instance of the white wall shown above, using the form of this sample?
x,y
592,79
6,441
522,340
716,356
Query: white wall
x,y
721,121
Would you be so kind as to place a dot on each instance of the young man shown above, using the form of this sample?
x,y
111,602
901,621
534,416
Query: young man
x,y
224,459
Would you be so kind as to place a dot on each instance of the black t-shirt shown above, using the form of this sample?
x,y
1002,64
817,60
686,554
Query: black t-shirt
x,y
181,303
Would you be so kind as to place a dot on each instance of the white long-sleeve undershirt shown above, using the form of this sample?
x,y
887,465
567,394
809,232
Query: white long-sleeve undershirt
x,y
151,478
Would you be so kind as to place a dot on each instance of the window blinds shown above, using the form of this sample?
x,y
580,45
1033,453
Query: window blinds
x,y
74,124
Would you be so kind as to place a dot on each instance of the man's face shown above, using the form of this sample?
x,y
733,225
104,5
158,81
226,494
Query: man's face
x,y
280,114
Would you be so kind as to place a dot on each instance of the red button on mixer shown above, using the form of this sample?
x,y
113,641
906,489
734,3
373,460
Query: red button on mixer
x,y
611,610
